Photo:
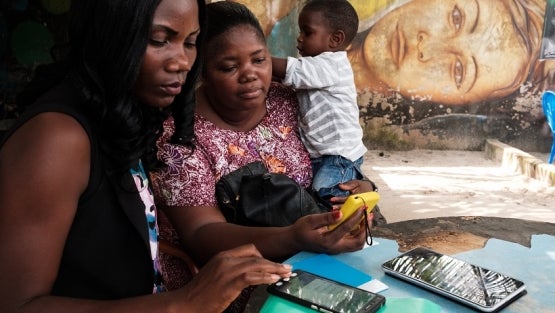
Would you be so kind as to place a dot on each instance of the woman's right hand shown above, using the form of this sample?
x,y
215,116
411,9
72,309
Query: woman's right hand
x,y
312,234
222,279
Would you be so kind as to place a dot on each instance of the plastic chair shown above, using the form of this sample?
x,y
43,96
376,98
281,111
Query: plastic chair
x,y
548,103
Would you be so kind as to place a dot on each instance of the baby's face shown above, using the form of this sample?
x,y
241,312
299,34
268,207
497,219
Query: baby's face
x,y
315,34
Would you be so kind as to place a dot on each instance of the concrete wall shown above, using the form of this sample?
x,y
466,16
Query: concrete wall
x,y
440,74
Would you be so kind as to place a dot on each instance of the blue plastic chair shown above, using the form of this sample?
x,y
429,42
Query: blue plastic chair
x,y
548,103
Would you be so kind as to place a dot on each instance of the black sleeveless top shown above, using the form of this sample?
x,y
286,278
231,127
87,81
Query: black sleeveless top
x,y
107,252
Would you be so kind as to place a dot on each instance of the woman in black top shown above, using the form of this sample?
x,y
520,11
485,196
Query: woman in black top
x,y
77,220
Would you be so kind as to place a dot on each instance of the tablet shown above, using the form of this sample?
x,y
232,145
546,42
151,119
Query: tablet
x,y
472,285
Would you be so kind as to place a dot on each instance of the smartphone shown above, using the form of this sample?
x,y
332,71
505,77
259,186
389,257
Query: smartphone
x,y
325,295
477,287
355,201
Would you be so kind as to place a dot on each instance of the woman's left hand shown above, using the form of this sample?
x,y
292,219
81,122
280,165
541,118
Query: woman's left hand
x,y
312,234
354,187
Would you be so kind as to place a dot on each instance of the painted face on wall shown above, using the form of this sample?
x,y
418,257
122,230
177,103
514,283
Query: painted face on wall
x,y
445,51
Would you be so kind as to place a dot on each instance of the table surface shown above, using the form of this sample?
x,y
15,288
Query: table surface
x,y
534,265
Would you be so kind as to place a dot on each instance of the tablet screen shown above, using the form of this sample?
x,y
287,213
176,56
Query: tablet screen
x,y
454,278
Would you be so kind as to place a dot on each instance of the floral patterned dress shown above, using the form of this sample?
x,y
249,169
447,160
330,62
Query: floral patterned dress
x,y
191,176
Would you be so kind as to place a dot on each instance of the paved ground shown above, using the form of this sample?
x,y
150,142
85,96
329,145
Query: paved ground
x,y
454,201
420,184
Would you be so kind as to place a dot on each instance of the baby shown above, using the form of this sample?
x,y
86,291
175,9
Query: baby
x,y
323,77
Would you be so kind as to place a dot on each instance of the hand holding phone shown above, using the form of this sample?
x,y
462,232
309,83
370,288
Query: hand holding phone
x,y
326,295
355,201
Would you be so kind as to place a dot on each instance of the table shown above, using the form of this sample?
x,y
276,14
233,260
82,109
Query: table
x,y
535,265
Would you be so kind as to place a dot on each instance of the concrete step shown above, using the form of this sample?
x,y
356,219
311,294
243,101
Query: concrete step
x,y
520,161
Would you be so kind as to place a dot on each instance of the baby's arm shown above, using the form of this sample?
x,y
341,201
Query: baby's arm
x,y
279,68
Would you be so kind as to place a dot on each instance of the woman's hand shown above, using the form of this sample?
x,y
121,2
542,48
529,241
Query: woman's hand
x,y
223,278
312,233
360,186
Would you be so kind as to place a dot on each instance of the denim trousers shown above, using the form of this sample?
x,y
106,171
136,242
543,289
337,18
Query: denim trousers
x,y
330,170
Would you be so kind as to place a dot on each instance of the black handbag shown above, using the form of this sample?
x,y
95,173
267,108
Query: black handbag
x,y
252,196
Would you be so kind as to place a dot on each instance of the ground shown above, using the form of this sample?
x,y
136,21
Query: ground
x,y
453,201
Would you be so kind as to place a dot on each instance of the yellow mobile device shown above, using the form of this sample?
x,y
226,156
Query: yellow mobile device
x,y
353,202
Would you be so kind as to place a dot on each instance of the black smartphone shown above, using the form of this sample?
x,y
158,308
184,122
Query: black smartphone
x,y
480,288
325,295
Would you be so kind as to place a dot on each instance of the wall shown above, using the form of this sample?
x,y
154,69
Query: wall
x,y
31,33
440,74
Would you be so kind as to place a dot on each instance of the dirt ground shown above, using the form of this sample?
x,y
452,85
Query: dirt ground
x,y
457,234
454,201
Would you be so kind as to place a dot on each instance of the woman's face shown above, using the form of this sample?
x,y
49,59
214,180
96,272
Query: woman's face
x,y
447,51
237,69
170,53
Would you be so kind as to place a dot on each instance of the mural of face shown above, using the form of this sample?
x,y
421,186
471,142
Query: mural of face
x,y
444,51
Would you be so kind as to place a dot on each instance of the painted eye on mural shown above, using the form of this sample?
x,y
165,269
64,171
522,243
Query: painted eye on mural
x,y
458,73
456,18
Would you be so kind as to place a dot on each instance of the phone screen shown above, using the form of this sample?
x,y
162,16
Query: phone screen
x,y
324,293
455,278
